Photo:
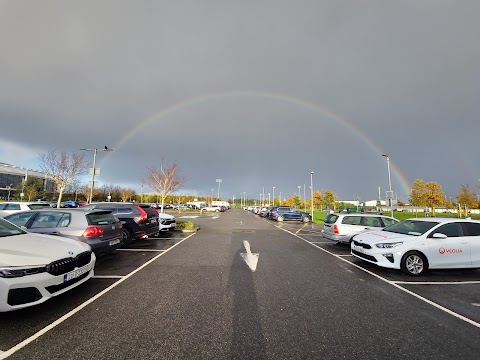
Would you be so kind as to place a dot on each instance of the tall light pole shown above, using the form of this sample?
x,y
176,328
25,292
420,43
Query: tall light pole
x,y
389,185
273,196
211,198
245,198
304,199
94,170
299,193
219,181
9,189
311,192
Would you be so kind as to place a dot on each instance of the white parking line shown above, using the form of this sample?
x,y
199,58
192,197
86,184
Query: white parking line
x,y
436,282
434,304
49,327
139,250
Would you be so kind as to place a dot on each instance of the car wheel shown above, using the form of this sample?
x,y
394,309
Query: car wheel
x,y
126,237
414,263
305,219
279,218
217,210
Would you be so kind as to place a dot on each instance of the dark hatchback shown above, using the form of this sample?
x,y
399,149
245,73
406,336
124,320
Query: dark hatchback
x,y
139,221
98,228
285,213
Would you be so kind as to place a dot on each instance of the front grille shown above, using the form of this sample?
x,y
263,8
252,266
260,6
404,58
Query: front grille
x,y
23,296
83,259
66,265
55,288
62,266
365,246
364,256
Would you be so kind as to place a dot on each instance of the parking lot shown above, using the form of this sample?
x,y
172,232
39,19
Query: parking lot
x,y
452,290
456,293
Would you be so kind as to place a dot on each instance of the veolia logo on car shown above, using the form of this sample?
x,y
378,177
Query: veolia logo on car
x,y
449,251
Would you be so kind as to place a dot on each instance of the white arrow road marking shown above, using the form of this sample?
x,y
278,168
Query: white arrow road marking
x,y
188,217
250,259
215,217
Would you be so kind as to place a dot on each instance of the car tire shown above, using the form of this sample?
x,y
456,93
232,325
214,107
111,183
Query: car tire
x,y
127,238
414,263
279,218
305,219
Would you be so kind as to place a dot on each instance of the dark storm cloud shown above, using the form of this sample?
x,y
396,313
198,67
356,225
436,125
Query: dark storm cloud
x,y
405,74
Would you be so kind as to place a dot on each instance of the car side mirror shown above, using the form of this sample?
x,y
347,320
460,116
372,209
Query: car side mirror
x,y
439,236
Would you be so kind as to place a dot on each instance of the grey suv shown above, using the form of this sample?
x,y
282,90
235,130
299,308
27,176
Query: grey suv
x,y
342,227
98,228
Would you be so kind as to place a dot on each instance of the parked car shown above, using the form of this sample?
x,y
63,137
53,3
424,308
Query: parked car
x,y
10,207
69,204
166,222
139,221
418,244
285,213
98,228
214,208
36,267
340,227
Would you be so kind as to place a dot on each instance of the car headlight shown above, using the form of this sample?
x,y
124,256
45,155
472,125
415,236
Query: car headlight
x,y
388,245
13,272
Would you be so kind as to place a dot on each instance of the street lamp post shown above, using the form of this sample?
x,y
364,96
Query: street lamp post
x,y
94,170
9,189
389,184
273,196
219,181
304,199
311,192
299,193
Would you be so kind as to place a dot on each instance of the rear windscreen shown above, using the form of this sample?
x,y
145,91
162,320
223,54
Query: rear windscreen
x,y
101,218
38,206
331,218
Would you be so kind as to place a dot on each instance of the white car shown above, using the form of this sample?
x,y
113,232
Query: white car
x,y
10,207
416,245
342,227
166,222
214,208
36,267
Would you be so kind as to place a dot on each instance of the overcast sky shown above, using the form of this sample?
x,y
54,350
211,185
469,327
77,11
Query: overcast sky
x,y
257,93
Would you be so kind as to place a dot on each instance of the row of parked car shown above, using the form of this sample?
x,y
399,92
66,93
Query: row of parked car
x,y
280,213
412,246
46,251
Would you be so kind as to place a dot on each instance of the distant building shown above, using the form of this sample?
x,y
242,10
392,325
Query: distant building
x,y
11,176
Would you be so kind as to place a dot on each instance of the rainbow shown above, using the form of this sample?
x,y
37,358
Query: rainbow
x,y
402,180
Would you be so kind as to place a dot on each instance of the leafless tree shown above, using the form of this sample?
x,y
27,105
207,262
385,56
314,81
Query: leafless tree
x,y
164,180
126,194
63,169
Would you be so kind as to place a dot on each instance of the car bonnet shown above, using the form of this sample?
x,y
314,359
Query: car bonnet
x,y
376,236
37,249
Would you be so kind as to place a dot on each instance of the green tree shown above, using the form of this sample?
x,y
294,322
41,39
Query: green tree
x,y
434,196
467,197
317,199
417,193
329,199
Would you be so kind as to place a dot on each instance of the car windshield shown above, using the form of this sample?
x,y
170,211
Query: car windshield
x,y
411,227
8,229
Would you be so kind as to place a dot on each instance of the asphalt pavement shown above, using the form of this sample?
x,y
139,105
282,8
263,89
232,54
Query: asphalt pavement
x,y
201,300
